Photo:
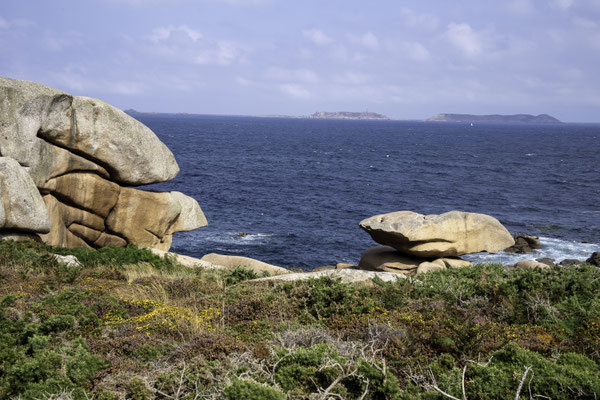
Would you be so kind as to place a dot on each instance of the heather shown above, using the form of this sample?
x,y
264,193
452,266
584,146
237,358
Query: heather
x,y
127,324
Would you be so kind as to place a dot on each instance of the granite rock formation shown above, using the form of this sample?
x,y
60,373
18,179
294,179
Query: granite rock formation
x,y
446,235
415,243
81,155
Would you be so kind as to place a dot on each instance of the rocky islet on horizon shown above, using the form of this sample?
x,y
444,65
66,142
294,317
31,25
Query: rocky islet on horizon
x,y
495,118
67,166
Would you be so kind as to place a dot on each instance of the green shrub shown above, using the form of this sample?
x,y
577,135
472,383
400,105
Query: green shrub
x,y
571,376
239,274
248,390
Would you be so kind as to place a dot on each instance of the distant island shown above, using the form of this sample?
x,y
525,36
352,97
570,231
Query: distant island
x,y
496,118
347,115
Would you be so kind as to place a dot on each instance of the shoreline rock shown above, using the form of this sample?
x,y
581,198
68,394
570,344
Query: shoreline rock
x,y
450,234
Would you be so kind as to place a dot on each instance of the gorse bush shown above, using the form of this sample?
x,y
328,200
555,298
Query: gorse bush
x,y
128,324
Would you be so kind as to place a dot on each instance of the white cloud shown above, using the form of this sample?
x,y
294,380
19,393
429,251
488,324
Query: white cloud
x,y
291,75
415,20
465,39
295,91
58,42
243,81
521,7
224,53
75,78
585,23
352,78
166,32
416,51
369,40
4,23
317,37
563,4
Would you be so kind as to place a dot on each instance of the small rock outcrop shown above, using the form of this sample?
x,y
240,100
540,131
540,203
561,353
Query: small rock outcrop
x,y
75,158
594,259
531,264
346,275
231,262
446,235
524,244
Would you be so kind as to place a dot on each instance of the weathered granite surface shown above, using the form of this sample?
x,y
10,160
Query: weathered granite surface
x,y
80,156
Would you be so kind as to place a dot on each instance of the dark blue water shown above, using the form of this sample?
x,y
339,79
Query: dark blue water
x,y
298,187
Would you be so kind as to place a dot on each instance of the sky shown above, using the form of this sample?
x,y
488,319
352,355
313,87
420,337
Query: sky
x,y
404,59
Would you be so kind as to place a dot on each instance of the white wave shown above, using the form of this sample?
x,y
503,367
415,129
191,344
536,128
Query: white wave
x,y
557,249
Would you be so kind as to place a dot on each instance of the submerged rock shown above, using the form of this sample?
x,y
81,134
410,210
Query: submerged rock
x,y
446,235
79,155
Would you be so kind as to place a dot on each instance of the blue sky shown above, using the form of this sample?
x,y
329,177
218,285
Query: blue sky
x,y
405,59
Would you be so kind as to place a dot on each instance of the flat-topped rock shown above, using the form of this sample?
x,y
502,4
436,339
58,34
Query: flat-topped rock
x,y
346,275
231,262
446,235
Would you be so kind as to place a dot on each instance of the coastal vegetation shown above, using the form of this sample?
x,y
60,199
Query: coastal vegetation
x,y
127,324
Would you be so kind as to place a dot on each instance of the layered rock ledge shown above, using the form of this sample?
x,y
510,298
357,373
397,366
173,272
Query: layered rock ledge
x,y
66,164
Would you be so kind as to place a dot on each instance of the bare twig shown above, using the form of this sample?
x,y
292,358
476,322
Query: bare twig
x,y
521,383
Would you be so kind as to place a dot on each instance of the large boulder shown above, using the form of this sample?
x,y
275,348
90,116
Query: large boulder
x,y
40,124
446,235
79,155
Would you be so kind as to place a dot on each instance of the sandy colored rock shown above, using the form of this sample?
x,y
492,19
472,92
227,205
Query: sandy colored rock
x,y
87,191
89,235
231,262
385,258
61,217
148,228
187,261
455,262
531,264
427,266
446,235
347,275
106,239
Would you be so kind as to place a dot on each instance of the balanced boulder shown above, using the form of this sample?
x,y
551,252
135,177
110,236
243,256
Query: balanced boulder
x,y
446,235
79,156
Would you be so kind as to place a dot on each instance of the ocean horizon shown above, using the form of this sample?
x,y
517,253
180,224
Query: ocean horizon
x,y
291,191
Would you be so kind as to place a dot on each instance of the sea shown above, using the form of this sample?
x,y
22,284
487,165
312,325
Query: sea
x,y
292,191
